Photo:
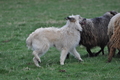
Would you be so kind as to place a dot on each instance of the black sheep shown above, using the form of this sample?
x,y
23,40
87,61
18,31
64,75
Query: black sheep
x,y
95,32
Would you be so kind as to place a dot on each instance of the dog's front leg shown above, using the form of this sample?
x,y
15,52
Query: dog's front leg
x,y
64,53
76,54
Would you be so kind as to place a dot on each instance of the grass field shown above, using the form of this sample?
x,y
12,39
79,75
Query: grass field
x,y
18,18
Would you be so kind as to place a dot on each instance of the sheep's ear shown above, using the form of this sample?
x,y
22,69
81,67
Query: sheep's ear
x,y
113,12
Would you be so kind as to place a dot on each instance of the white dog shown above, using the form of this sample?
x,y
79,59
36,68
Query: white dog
x,y
64,39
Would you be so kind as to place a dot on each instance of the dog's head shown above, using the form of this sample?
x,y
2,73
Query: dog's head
x,y
73,18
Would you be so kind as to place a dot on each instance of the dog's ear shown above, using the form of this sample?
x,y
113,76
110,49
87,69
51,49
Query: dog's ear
x,y
71,19
83,22
113,12
67,18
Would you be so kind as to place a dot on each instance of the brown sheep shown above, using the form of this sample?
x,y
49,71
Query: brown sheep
x,y
114,42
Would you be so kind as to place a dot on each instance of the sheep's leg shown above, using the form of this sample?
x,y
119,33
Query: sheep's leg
x,y
89,51
102,49
96,54
76,54
118,52
111,54
64,53
108,49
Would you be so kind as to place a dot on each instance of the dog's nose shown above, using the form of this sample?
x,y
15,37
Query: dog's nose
x,y
67,18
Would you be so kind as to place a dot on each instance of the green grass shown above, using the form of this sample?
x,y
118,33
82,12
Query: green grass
x,y
18,18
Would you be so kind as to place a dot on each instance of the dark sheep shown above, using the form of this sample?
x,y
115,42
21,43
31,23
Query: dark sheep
x,y
95,32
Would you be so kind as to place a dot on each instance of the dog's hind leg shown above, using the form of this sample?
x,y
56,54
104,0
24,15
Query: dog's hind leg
x,y
64,53
36,58
36,62
39,52
76,54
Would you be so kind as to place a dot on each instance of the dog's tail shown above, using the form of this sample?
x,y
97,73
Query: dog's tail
x,y
29,41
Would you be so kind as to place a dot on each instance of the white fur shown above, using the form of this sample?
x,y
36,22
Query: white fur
x,y
64,39
111,24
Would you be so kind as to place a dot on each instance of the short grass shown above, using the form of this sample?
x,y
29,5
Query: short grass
x,y
18,18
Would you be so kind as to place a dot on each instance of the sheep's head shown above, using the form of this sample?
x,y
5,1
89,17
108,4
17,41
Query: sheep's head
x,y
83,21
111,13
74,18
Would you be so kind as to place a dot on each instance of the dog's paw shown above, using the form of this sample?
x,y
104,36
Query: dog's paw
x,y
81,60
61,63
38,65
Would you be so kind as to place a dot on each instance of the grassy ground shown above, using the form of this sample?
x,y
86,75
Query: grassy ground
x,y
18,18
